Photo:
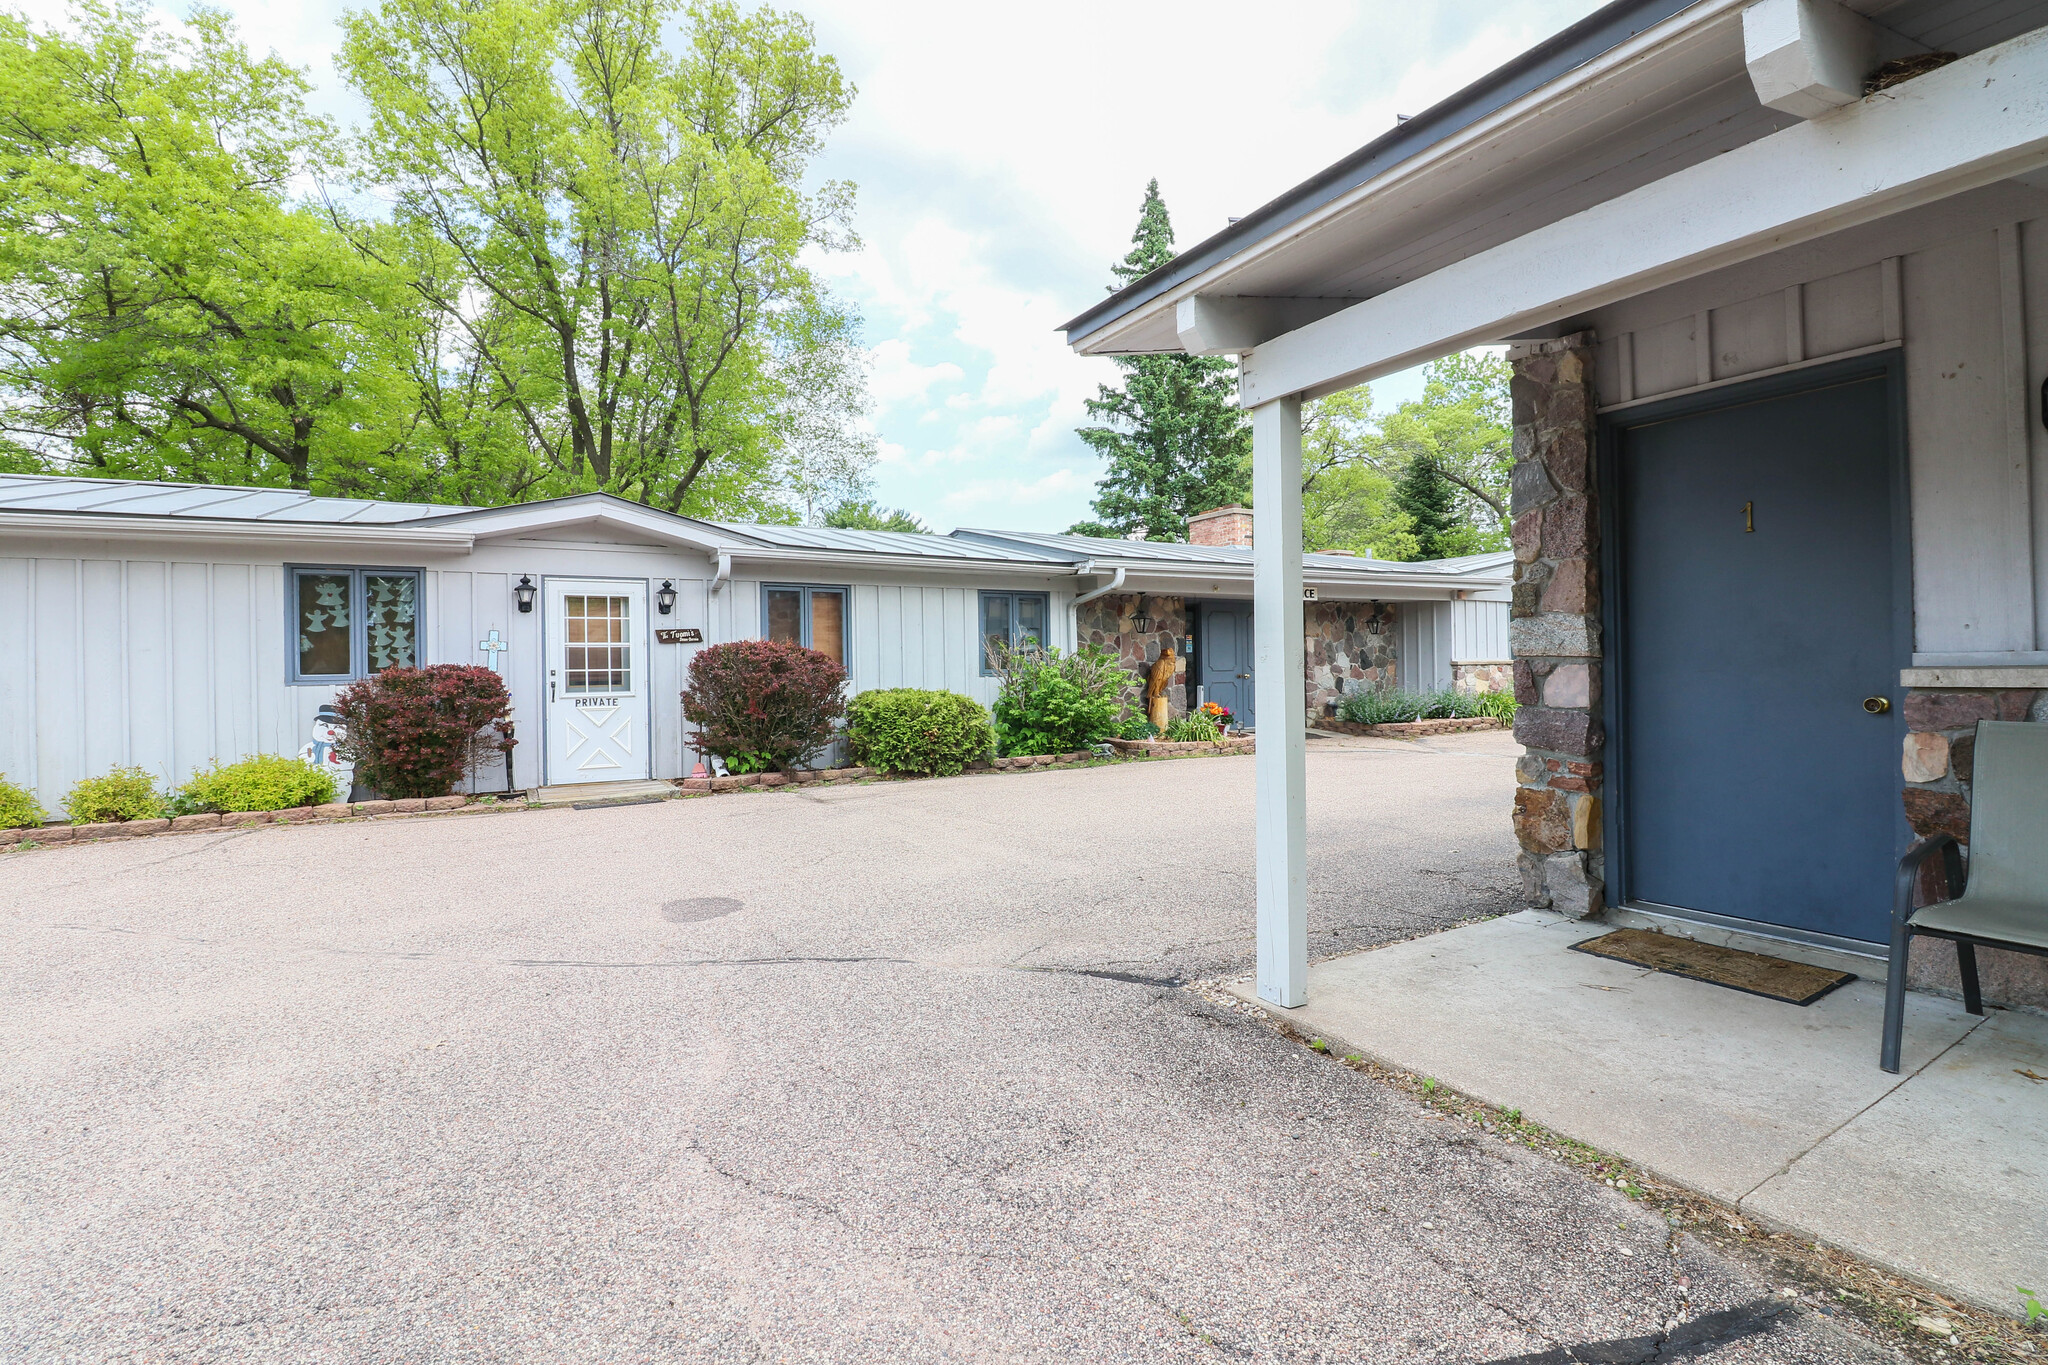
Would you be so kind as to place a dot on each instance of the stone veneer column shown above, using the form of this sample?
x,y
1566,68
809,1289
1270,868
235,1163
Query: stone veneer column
x,y
1554,626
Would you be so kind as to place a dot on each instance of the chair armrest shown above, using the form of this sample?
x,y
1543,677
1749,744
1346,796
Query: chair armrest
x,y
1908,878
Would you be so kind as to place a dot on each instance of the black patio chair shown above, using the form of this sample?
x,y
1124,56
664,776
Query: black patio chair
x,y
2005,903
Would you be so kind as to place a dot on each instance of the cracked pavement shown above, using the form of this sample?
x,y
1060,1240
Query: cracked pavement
x,y
474,1088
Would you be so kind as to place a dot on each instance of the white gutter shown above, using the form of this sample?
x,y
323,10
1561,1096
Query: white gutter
x,y
1087,569
130,526
724,572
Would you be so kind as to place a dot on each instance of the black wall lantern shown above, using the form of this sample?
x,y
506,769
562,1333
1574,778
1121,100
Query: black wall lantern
x,y
523,590
665,600
1141,622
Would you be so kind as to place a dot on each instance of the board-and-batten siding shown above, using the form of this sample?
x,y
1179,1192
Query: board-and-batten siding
x,y
1962,289
1479,632
158,664
170,661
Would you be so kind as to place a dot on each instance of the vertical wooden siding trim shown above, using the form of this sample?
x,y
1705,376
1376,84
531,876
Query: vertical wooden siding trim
x,y
1703,346
1892,292
1795,324
2013,352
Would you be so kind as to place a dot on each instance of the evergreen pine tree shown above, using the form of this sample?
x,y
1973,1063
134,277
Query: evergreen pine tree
x,y
1431,503
1172,433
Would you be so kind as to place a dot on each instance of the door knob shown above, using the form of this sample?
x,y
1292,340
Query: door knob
x,y
1877,706
1244,675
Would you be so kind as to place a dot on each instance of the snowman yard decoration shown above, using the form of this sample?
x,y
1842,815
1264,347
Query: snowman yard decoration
x,y
329,729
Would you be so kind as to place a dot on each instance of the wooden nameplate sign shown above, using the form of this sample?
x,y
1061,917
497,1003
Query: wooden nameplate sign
x,y
680,635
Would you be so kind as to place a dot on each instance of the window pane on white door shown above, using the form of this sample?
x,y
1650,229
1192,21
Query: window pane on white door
x,y
324,625
597,648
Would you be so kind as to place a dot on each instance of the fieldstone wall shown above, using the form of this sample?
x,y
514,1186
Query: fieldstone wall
x,y
1350,646
1483,677
1554,627
1109,623
1941,725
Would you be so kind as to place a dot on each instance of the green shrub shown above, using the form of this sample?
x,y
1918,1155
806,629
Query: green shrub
x,y
908,730
1499,705
1137,727
19,808
1194,728
123,794
259,782
1053,703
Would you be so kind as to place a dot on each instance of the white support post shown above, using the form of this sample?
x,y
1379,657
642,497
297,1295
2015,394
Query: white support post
x,y
1282,757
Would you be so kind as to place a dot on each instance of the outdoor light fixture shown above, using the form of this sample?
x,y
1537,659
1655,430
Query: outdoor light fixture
x,y
665,600
523,590
1140,621
1373,623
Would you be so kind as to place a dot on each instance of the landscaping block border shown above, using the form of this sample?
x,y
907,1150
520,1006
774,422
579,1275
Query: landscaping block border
x,y
44,835
1410,729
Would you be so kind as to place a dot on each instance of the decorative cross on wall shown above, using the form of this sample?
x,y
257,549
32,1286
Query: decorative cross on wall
x,y
491,645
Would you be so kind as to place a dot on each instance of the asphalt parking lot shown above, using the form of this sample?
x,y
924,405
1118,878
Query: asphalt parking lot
x,y
891,1072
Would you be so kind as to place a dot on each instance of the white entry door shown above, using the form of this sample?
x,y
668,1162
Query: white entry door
x,y
597,680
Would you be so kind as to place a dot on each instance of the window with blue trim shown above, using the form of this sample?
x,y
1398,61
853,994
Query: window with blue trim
x,y
348,624
1012,620
799,614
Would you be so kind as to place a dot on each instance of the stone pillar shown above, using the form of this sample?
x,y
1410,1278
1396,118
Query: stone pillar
x,y
1554,626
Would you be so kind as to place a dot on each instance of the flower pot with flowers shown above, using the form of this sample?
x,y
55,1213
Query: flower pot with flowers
x,y
1220,714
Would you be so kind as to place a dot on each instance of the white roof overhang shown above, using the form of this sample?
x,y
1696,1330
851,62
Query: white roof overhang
x,y
1530,161
597,509
129,526
1981,119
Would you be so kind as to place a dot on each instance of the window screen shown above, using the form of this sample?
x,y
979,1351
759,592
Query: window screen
x,y
812,617
1013,620
351,623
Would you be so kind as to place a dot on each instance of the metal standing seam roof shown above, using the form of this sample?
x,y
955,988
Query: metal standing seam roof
x,y
231,504
1172,552
225,502
1603,29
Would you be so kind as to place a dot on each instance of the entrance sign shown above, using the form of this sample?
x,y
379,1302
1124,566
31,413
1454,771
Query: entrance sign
x,y
596,703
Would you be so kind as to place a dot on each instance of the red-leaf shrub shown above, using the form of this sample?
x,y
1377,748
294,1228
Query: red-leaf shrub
x,y
415,731
764,699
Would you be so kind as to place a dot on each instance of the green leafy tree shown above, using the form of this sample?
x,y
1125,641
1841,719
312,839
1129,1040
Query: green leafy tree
x,y
1174,438
863,515
1347,501
609,235
167,308
1462,428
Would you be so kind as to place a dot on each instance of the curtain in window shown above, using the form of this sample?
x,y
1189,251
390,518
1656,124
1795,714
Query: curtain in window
x,y
828,624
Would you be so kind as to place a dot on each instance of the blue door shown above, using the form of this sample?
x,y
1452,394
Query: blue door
x,y
1757,612
1225,646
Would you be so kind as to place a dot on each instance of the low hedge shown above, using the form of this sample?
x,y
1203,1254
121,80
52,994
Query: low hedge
x,y
19,808
122,794
259,782
909,730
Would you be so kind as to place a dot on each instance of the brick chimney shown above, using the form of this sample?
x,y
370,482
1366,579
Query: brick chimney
x,y
1230,525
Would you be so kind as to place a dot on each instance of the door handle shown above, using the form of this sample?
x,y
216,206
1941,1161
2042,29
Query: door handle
x,y
1877,706
1244,675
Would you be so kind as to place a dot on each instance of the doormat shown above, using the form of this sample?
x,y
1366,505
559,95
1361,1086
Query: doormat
x,y
1774,978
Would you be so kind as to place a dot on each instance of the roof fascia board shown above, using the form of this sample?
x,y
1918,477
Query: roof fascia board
x,y
130,525
1971,123
546,516
1205,265
857,559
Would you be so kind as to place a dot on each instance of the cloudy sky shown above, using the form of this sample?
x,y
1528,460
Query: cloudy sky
x,y
1000,154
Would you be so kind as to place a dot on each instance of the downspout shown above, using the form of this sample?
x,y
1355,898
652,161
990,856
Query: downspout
x,y
724,571
1087,570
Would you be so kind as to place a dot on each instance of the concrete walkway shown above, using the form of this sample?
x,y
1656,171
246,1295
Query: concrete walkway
x,y
1940,1172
